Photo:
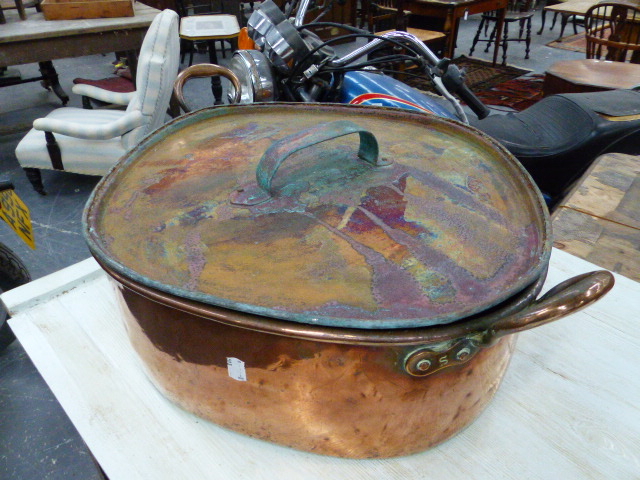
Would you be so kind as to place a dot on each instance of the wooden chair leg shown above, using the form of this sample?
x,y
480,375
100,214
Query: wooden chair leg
x,y
528,40
505,40
475,39
35,178
493,36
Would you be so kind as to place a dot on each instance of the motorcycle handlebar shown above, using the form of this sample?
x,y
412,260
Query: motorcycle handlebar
x,y
473,102
453,80
372,45
447,78
301,12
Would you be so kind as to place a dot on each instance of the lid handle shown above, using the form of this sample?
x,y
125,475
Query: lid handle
x,y
281,149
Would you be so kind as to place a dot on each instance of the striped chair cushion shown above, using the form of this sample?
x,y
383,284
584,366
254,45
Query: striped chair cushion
x,y
94,151
158,65
91,157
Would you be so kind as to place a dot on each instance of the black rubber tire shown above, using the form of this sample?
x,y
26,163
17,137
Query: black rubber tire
x,y
13,273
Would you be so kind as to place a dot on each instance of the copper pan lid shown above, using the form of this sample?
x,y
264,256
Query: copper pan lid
x,y
331,215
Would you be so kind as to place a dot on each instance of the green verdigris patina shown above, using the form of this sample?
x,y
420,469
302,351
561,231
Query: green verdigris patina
x,y
440,225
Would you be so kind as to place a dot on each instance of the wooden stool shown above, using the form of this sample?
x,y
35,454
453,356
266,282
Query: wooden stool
x,y
211,28
589,75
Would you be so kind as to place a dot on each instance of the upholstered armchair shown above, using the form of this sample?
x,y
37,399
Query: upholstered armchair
x,y
92,141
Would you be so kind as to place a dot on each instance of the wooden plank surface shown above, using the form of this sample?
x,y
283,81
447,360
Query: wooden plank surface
x,y
567,409
600,220
72,10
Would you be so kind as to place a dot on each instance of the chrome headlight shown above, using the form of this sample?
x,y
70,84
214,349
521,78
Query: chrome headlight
x,y
254,71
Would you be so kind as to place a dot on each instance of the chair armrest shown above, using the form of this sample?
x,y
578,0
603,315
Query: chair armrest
x,y
116,98
119,127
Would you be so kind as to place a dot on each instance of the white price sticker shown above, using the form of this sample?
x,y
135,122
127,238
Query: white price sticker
x,y
236,370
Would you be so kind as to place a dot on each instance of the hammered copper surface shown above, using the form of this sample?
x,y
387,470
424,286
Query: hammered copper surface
x,y
346,392
451,227
332,399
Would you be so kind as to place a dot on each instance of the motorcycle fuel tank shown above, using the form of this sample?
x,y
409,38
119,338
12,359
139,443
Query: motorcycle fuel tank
x,y
372,89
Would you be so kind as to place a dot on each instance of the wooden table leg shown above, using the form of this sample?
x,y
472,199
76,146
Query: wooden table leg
x,y
449,30
132,63
498,39
21,12
563,24
50,77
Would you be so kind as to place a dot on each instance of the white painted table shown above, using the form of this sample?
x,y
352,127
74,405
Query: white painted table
x,y
569,407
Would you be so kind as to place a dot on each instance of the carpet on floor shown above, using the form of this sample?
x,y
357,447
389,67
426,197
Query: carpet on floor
x,y
479,75
517,94
574,43
506,86
578,43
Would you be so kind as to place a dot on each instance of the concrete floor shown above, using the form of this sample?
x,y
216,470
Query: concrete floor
x,y
36,438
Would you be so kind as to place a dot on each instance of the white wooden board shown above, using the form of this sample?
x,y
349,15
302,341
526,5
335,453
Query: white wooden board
x,y
569,407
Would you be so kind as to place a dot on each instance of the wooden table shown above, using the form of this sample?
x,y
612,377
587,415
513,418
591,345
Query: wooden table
x,y
36,40
567,408
568,10
589,75
452,11
600,220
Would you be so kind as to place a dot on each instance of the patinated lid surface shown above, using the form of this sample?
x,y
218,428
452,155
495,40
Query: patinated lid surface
x,y
441,225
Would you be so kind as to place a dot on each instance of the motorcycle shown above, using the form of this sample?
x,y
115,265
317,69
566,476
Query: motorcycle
x,y
556,139
13,271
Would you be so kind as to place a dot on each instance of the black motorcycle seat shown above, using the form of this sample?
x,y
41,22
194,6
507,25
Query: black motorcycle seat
x,y
614,103
557,138
561,123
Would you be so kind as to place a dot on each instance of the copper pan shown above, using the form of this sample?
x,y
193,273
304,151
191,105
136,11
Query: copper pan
x,y
356,302
342,392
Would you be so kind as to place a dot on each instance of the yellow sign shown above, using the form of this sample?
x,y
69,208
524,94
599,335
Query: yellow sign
x,y
16,214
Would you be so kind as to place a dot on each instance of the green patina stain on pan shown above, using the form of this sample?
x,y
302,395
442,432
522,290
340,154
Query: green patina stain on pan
x,y
449,227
